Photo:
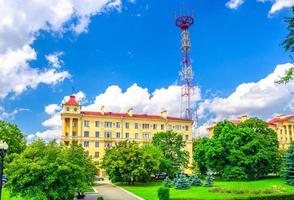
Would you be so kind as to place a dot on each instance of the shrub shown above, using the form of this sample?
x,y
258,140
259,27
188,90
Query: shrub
x,y
168,182
181,182
209,180
163,193
100,198
195,180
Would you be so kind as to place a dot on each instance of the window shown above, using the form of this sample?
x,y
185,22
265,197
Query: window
x,y
107,124
117,124
75,109
86,133
136,135
74,123
86,123
67,109
187,137
178,127
97,134
145,126
162,126
96,144
96,155
86,143
107,144
136,126
117,135
146,135
127,125
187,128
107,134
127,135
169,127
97,124
74,134
154,126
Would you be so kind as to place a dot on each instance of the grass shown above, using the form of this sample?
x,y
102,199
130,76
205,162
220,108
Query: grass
x,y
148,191
5,196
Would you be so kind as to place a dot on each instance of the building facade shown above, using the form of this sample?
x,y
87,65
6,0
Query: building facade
x,y
97,131
283,125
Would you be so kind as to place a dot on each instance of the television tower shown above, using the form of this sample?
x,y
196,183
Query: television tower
x,y
186,74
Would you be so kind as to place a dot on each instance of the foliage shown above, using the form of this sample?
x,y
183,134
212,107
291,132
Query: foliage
x,y
127,162
99,198
175,156
163,193
199,153
167,182
13,136
181,182
209,180
289,165
195,180
289,46
247,151
50,171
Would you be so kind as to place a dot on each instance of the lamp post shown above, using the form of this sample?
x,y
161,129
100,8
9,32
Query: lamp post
x,y
3,150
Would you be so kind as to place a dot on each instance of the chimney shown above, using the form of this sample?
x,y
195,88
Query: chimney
x,y
102,109
163,114
243,118
130,112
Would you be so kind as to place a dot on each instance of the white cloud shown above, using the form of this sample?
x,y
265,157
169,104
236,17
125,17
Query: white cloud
x,y
10,115
141,100
52,108
20,25
262,99
277,4
16,75
234,4
54,59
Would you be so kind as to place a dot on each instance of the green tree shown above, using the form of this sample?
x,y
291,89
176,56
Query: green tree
x,y
48,172
289,46
244,152
127,162
76,155
13,136
289,165
199,153
172,145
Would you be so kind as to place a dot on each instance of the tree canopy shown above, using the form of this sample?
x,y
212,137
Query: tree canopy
x,y
50,171
127,162
13,136
289,46
240,152
176,158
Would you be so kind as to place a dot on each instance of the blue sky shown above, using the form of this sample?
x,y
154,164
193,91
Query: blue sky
x,y
136,42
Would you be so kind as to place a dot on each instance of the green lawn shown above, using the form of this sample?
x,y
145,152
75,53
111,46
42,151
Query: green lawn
x,y
5,196
148,191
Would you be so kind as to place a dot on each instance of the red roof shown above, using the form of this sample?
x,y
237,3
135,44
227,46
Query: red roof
x,y
143,116
280,119
72,101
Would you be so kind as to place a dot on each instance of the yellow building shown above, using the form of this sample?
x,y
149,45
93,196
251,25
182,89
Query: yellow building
x,y
284,127
99,130
282,124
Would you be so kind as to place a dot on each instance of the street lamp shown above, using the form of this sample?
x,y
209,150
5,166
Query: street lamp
x,y
3,150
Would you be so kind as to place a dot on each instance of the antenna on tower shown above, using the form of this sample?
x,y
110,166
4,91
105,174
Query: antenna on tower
x,y
73,90
184,22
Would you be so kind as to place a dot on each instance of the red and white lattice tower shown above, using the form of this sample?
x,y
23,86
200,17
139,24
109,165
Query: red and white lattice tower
x,y
186,74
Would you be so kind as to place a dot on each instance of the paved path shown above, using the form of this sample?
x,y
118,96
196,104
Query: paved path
x,y
111,192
